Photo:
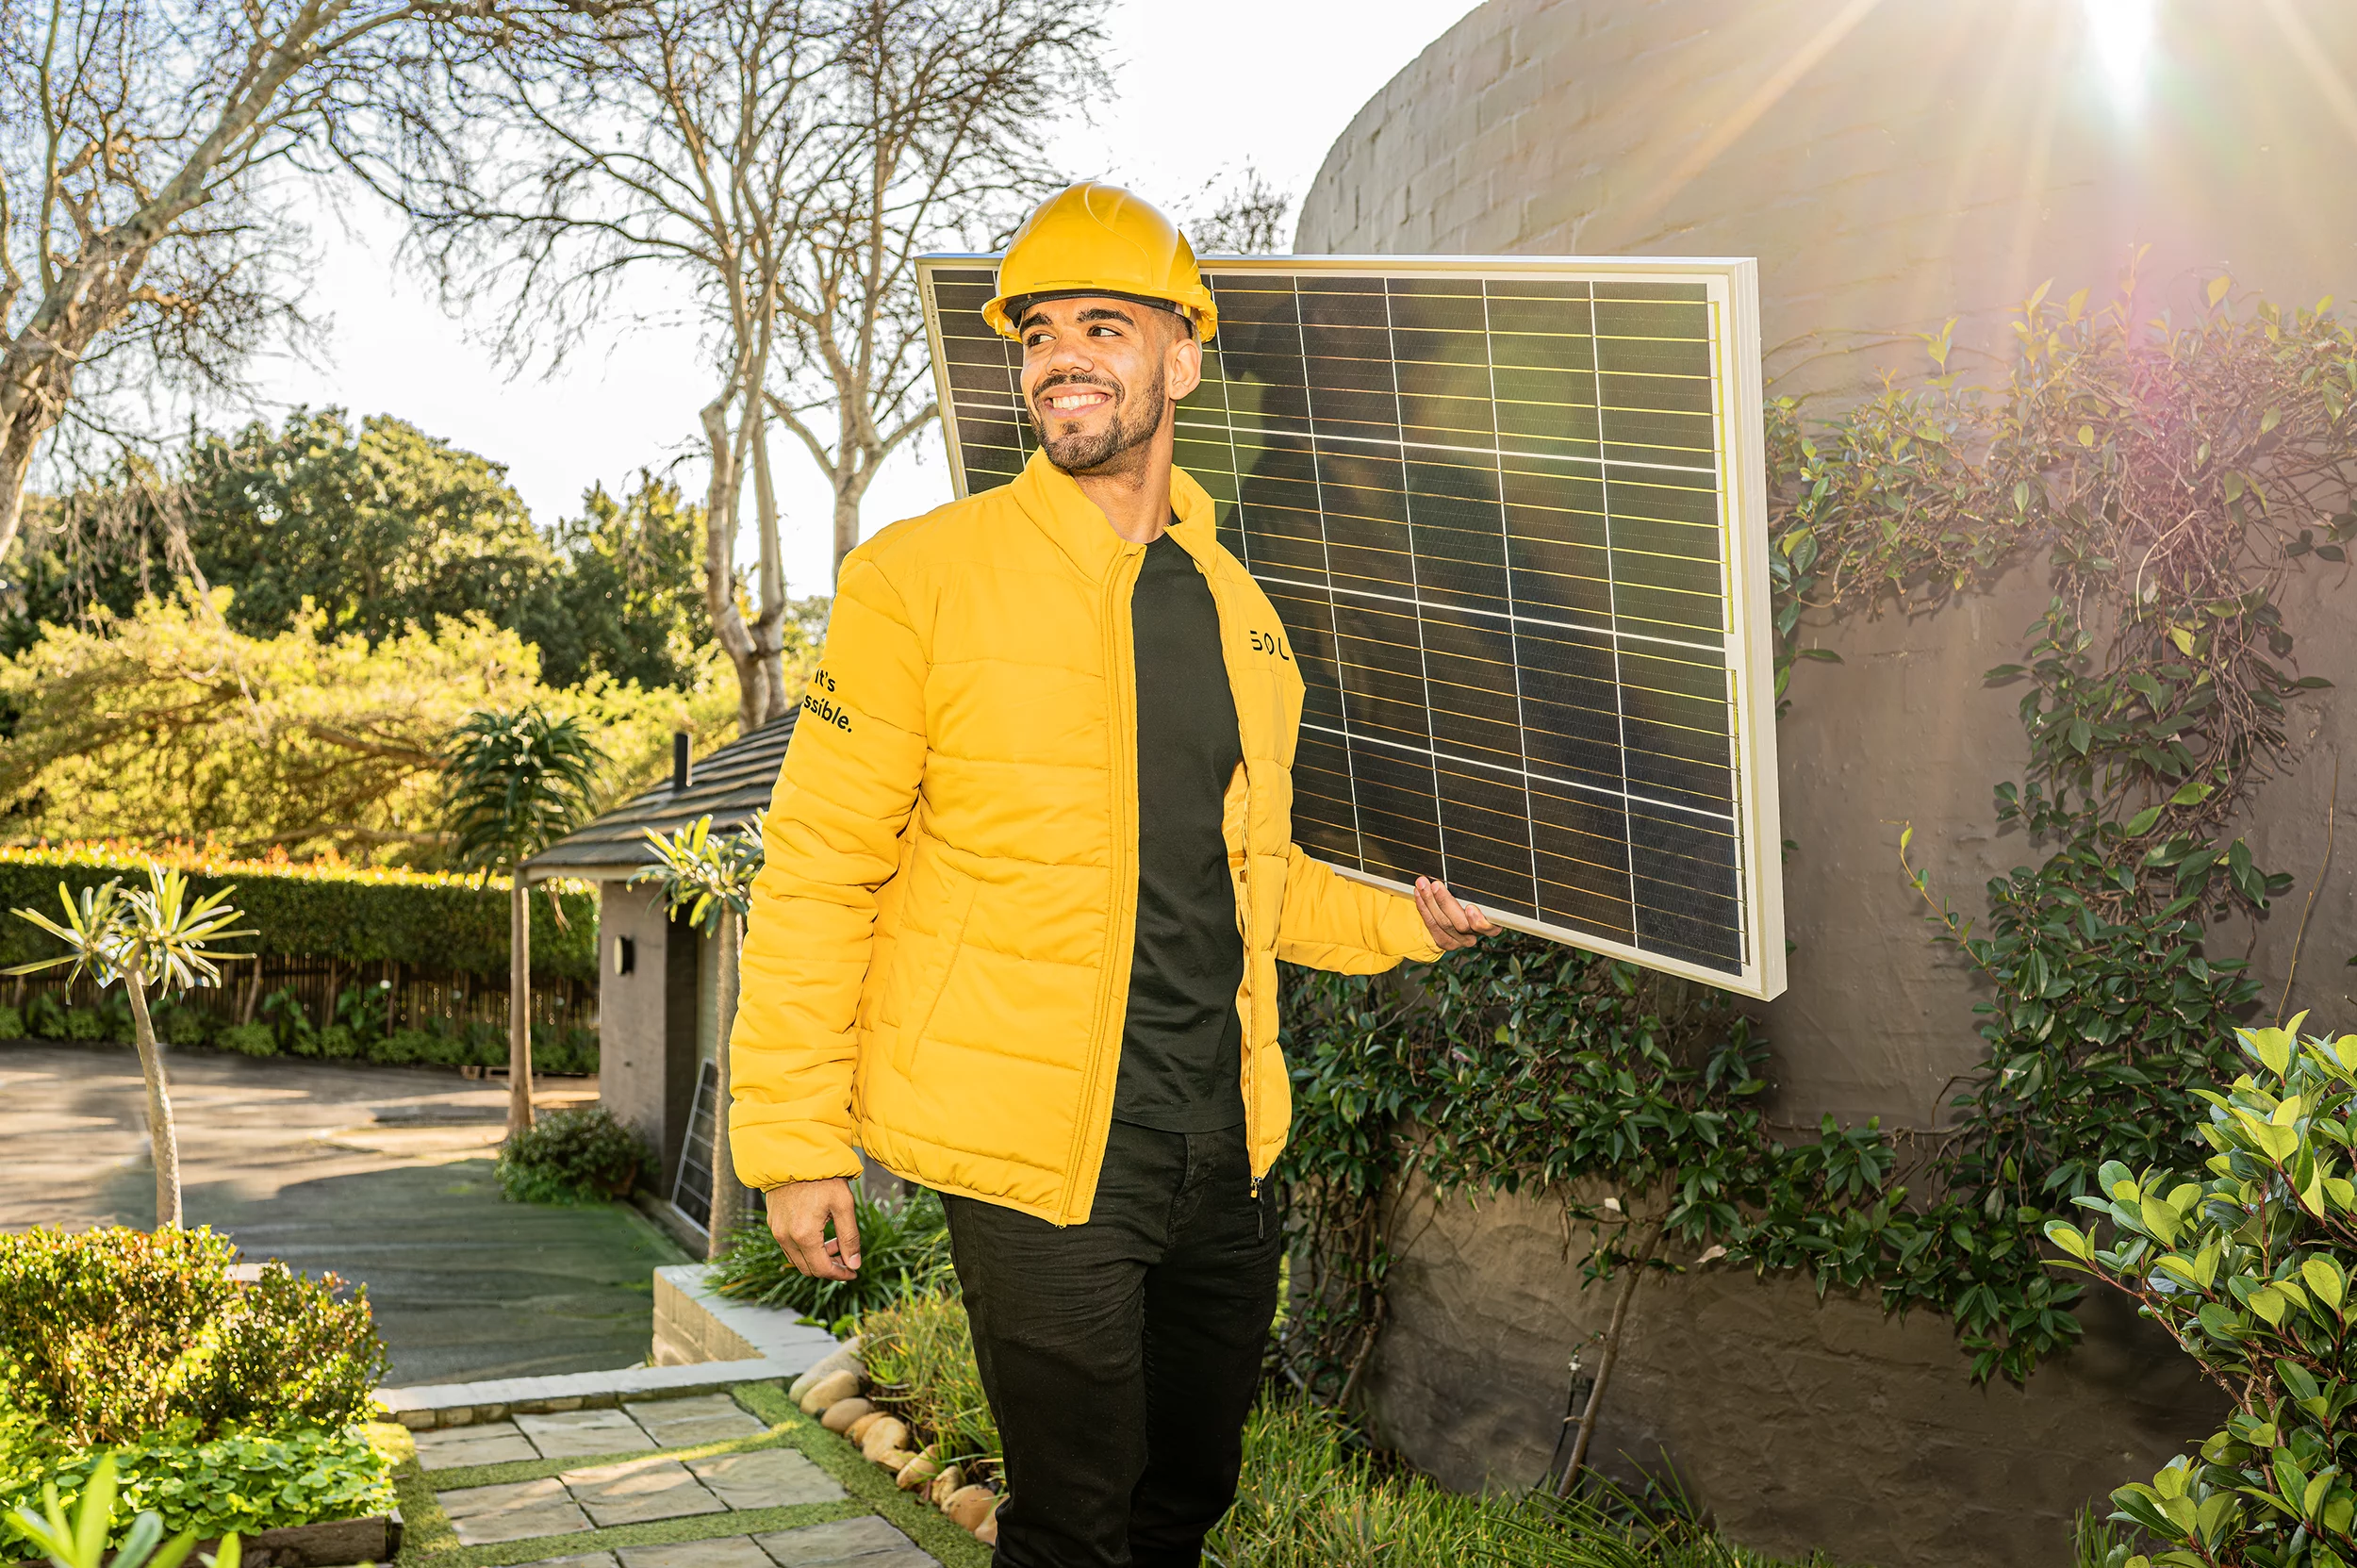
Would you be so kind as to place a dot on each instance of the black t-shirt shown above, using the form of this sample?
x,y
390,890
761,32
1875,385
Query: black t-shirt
x,y
1182,1043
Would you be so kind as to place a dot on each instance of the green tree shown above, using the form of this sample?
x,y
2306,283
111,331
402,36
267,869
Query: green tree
x,y
627,600
517,782
381,528
153,939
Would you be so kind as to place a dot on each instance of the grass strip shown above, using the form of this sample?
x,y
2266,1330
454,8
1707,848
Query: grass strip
x,y
918,1519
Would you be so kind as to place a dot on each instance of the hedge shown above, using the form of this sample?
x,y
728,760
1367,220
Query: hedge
x,y
350,914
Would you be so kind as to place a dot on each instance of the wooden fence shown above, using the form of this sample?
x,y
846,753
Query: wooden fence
x,y
416,994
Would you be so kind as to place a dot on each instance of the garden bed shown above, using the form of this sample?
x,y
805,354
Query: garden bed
x,y
231,1397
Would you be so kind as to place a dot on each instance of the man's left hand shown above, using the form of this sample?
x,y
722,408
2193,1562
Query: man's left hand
x,y
1453,925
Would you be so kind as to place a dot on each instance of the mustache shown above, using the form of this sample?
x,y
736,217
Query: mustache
x,y
1055,383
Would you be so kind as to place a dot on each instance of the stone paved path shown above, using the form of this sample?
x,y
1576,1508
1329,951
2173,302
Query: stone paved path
x,y
382,1174
692,1482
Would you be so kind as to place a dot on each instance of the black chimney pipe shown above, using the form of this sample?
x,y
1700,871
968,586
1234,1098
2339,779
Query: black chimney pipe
x,y
679,759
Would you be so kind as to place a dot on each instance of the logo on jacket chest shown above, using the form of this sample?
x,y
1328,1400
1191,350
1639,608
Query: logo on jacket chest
x,y
1270,642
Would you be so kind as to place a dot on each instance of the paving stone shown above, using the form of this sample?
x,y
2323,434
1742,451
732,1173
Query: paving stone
x,y
733,1551
496,1443
637,1490
578,1560
512,1511
699,1418
766,1478
573,1434
865,1542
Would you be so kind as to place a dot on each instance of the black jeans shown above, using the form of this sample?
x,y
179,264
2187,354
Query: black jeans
x,y
1121,1356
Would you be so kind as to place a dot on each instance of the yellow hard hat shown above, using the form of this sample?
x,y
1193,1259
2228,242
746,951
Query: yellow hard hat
x,y
1091,239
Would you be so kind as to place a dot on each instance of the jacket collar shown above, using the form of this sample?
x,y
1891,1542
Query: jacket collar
x,y
1051,499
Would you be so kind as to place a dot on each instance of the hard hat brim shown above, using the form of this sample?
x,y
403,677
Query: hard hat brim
x,y
1199,312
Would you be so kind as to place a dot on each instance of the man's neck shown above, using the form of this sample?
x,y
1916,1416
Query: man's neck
x,y
1135,496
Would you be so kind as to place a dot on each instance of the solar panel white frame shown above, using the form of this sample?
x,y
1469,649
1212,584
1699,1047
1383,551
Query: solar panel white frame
x,y
1729,287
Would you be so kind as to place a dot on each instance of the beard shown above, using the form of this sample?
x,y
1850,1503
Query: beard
x,y
1093,452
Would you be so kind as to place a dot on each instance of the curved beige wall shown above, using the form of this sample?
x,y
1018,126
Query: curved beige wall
x,y
1891,165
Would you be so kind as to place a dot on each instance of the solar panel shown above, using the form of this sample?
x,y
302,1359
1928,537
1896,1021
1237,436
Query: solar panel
x,y
1512,515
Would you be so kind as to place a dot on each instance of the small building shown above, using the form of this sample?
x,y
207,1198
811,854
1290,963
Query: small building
x,y
658,977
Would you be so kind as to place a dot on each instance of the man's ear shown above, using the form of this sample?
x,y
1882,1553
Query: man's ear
x,y
1185,366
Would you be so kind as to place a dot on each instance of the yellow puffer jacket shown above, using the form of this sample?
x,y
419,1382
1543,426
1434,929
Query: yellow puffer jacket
x,y
936,967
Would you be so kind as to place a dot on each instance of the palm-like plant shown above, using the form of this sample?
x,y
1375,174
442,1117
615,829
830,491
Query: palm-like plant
x,y
708,878
153,940
515,783
703,873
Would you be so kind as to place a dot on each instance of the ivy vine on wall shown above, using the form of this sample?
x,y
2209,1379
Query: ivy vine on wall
x,y
2171,474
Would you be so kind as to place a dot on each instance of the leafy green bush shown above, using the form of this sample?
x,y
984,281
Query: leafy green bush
x,y
2247,1266
12,1023
576,1156
44,1017
240,1482
176,1025
115,1335
904,1244
85,1023
249,1039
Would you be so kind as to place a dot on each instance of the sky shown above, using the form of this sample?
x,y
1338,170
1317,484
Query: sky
x,y
1265,83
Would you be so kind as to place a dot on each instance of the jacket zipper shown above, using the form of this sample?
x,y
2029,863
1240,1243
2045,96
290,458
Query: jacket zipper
x,y
1122,700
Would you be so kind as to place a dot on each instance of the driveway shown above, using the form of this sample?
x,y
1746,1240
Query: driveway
x,y
381,1175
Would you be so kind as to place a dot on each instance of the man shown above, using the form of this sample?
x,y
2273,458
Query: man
x,y
1029,871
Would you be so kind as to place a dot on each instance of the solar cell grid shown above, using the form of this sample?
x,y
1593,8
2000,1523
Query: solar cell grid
x,y
1501,511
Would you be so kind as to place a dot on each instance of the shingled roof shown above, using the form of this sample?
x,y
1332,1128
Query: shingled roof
x,y
731,783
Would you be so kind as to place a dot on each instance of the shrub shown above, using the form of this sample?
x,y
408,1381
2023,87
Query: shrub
x,y
2246,1267
554,1049
116,1335
180,1026
249,1039
12,1023
577,1155
44,1017
904,1247
85,1023
241,1481
348,913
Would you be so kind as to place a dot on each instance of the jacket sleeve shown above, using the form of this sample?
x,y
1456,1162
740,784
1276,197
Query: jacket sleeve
x,y
1331,923
832,839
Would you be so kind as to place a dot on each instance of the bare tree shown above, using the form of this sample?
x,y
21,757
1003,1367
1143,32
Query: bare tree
x,y
143,243
1242,215
786,160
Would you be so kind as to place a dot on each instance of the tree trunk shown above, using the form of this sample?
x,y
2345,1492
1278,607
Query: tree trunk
x,y
161,1138
519,1006
770,620
1636,1267
846,527
727,1192
729,630
252,993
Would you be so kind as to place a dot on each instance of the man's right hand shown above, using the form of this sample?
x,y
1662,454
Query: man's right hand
x,y
798,1215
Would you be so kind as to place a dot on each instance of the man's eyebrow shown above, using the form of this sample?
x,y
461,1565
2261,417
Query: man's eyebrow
x,y
1036,317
